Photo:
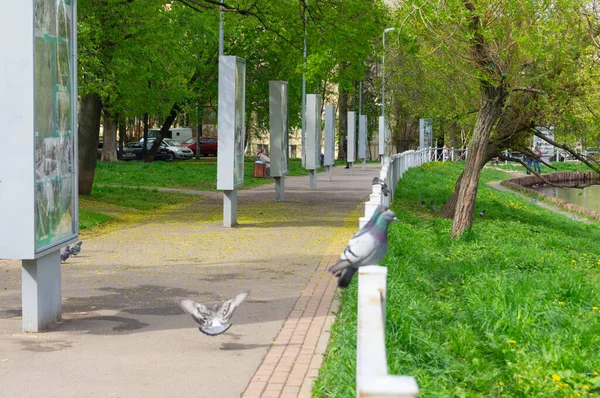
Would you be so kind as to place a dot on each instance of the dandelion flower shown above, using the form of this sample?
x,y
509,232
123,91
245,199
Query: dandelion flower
x,y
500,383
595,308
586,387
447,258
512,341
556,377
573,260
561,303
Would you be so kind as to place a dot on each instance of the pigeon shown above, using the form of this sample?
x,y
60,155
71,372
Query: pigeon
x,y
431,206
384,188
216,321
481,214
76,249
366,248
423,202
64,255
346,275
533,200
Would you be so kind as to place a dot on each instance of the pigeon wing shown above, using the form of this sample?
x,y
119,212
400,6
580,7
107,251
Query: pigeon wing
x,y
228,307
358,249
199,312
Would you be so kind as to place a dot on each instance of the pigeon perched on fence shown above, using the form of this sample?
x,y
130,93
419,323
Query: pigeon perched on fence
x,y
216,321
76,249
384,188
64,255
482,213
346,275
366,248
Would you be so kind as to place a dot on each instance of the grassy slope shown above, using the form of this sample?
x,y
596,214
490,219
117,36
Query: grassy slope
x,y
509,309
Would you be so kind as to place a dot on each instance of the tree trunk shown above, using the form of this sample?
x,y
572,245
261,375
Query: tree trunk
x,y
88,134
493,100
343,124
109,151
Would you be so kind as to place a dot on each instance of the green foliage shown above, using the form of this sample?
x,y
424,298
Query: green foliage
x,y
511,308
90,219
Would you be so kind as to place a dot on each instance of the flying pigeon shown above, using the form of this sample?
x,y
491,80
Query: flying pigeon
x,y
346,275
216,321
64,255
481,214
384,188
431,206
367,248
76,248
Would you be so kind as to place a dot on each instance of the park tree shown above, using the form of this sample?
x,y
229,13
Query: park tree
x,y
522,64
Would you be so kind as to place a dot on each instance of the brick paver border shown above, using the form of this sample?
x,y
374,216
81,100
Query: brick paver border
x,y
293,361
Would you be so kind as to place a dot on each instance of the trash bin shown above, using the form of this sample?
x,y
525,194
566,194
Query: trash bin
x,y
260,170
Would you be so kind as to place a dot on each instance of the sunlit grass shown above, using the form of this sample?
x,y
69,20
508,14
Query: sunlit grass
x,y
511,308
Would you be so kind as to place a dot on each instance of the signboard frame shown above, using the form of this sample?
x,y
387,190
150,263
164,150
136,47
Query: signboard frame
x,y
329,144
279,127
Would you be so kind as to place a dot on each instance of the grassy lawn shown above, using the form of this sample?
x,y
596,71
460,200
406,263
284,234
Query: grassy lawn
x,y
189,174
511,308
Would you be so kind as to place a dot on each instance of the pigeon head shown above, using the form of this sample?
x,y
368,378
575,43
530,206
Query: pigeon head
x,y
384,220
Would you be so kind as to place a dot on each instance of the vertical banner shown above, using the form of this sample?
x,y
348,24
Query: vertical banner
x,y
425,133
313,131
231,122
329,151
351,151
546,148
279,129
382,134
362,137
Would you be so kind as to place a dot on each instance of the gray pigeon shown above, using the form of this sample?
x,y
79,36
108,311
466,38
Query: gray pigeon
x,y
216,321
346,275
482,214
431,206
423,201
76,249
64,255
367,248
384,188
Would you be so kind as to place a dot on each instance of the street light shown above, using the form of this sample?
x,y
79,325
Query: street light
x,y
383,73
382,122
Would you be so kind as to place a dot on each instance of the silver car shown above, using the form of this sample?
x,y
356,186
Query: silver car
x,y
178,151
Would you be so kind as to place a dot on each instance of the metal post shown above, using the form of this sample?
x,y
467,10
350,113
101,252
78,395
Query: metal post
x,y
313,179
230,208
279,189
41,291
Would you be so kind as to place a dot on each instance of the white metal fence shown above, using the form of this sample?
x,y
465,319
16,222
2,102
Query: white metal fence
x,y
372,378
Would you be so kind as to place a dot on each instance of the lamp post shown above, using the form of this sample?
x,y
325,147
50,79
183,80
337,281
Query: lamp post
x,y
383,124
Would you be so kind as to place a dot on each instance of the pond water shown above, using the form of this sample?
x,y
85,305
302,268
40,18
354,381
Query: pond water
x,y
588,197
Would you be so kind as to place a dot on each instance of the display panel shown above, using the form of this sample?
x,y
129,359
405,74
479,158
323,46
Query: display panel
x,y
55,203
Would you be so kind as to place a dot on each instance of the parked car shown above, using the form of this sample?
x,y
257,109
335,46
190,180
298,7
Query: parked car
x,y
178,151
127,152
137,149
208,145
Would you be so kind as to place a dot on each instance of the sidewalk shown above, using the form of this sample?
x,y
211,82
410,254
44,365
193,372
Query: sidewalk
x,y
123,334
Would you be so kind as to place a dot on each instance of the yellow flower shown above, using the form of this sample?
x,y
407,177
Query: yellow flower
x,y
556,377
595,373
561,303
512,341
573,260
447,258
595,308
500,383
586,387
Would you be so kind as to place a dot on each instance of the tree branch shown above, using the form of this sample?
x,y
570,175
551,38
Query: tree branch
x,y
595,167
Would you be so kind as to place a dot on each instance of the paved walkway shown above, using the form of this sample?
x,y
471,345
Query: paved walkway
x,y
123,334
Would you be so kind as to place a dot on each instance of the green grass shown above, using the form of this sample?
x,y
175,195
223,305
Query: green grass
x,y
510,308
136,198
90,219
559,166
190,174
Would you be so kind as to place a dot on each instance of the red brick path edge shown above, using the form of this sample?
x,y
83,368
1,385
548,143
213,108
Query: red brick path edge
x,y
293,361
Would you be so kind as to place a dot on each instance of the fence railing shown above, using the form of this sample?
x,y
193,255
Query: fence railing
x,y
372,377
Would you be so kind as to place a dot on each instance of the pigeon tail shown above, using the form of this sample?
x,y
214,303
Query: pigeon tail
x,y
214,330
340,266
346,277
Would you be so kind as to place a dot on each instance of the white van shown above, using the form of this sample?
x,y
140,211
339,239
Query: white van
x,y
178,134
